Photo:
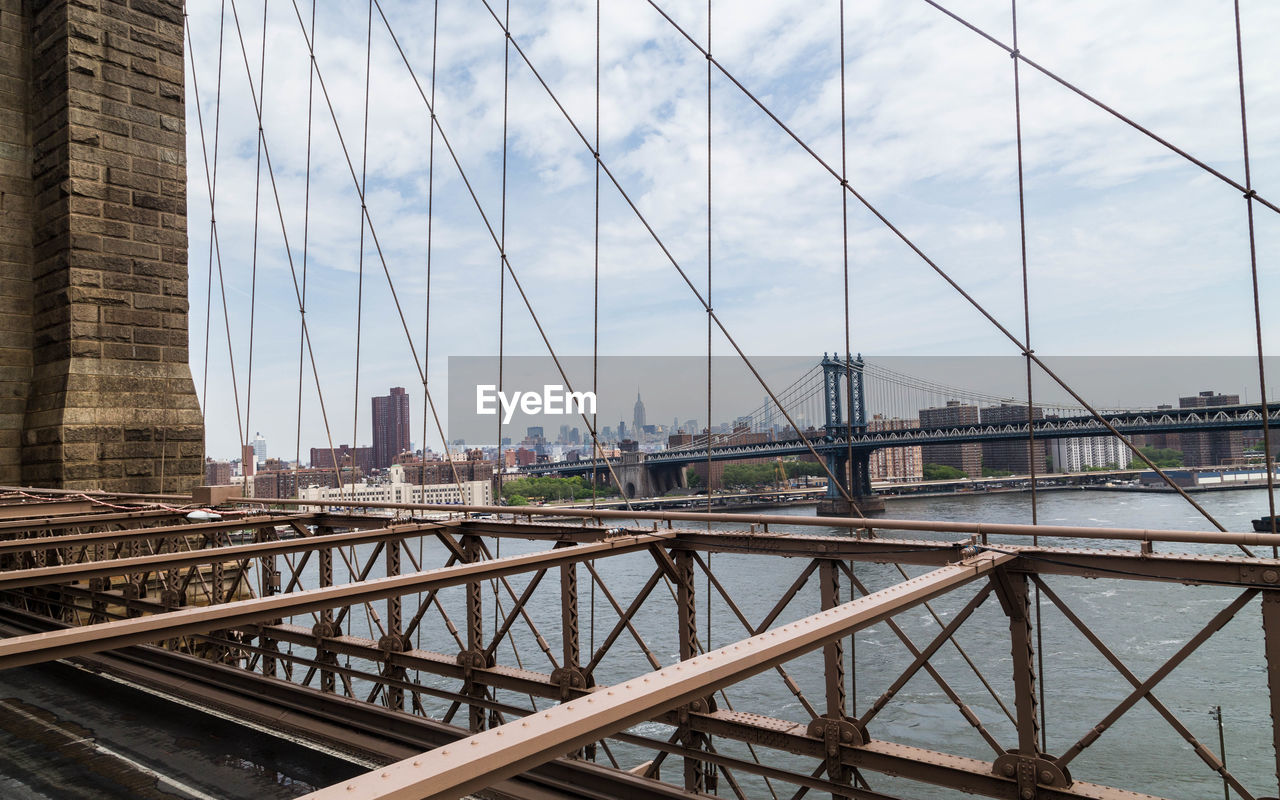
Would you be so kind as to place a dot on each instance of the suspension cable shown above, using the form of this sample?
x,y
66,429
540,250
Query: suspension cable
x,y
284,233
709,437
1026,319
215,251
1249,198
431,183
933,265
502,243
306,231
1126,120
257,185
479,208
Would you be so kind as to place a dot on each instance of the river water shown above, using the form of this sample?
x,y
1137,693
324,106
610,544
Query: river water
x,y
1143,622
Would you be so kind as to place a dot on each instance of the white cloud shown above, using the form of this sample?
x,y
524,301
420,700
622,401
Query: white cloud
x,y
1125,240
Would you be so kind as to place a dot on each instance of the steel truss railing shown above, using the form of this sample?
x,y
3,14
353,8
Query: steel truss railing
x,y
380,634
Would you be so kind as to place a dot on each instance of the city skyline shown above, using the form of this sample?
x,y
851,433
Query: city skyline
x,y
1164,385
1105,205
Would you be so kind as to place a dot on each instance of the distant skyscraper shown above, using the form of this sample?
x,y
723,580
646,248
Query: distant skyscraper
x,y
637,417
390,427
259,448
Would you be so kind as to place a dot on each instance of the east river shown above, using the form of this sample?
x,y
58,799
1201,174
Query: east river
x,y
1143,622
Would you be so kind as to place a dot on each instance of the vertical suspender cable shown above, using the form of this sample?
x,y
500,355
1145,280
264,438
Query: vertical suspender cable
x,y
213,217
844,218
502,229
596,453
431,183
364,172
502,268
426,327
306,231
1026,319
257,183
709,318
1253,266
709,260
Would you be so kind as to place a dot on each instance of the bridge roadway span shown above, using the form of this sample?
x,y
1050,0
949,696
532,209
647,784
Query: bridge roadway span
x,y
1169,420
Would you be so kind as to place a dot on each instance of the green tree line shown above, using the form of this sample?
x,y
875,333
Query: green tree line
x,y
521,490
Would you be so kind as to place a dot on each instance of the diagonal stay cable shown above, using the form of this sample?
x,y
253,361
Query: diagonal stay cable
x,y
283,228
484,217
266,152
215,250
683,274
1014,53
1022,347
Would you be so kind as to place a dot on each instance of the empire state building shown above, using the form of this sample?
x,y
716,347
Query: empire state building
x,y
637,417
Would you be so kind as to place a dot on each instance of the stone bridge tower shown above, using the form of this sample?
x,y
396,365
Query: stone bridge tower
x,y
95,388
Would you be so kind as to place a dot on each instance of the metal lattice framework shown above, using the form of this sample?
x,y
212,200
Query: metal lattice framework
x,y
420,645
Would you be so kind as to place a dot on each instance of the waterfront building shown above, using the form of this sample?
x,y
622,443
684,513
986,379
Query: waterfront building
x,y
895,464
1078,454
1210,448
966,457
1013,455
398,490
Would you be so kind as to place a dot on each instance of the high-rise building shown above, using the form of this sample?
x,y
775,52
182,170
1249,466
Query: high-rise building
x,y
259,448
1012,455
895,464
637,415
390,427
966,457
1203,449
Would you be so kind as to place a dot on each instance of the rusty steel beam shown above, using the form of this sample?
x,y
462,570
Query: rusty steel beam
x,y
922,765
915,763
65,573
106,636
507,750
131,534
61,522
853,523
1271,640
44,508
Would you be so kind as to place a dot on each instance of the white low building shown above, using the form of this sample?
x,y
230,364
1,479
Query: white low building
x,y
1077,454
396,490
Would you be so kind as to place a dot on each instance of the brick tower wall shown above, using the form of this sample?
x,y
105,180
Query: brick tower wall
x,y
95,388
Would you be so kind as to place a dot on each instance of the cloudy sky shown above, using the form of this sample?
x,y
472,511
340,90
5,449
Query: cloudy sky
x,y
1132,250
